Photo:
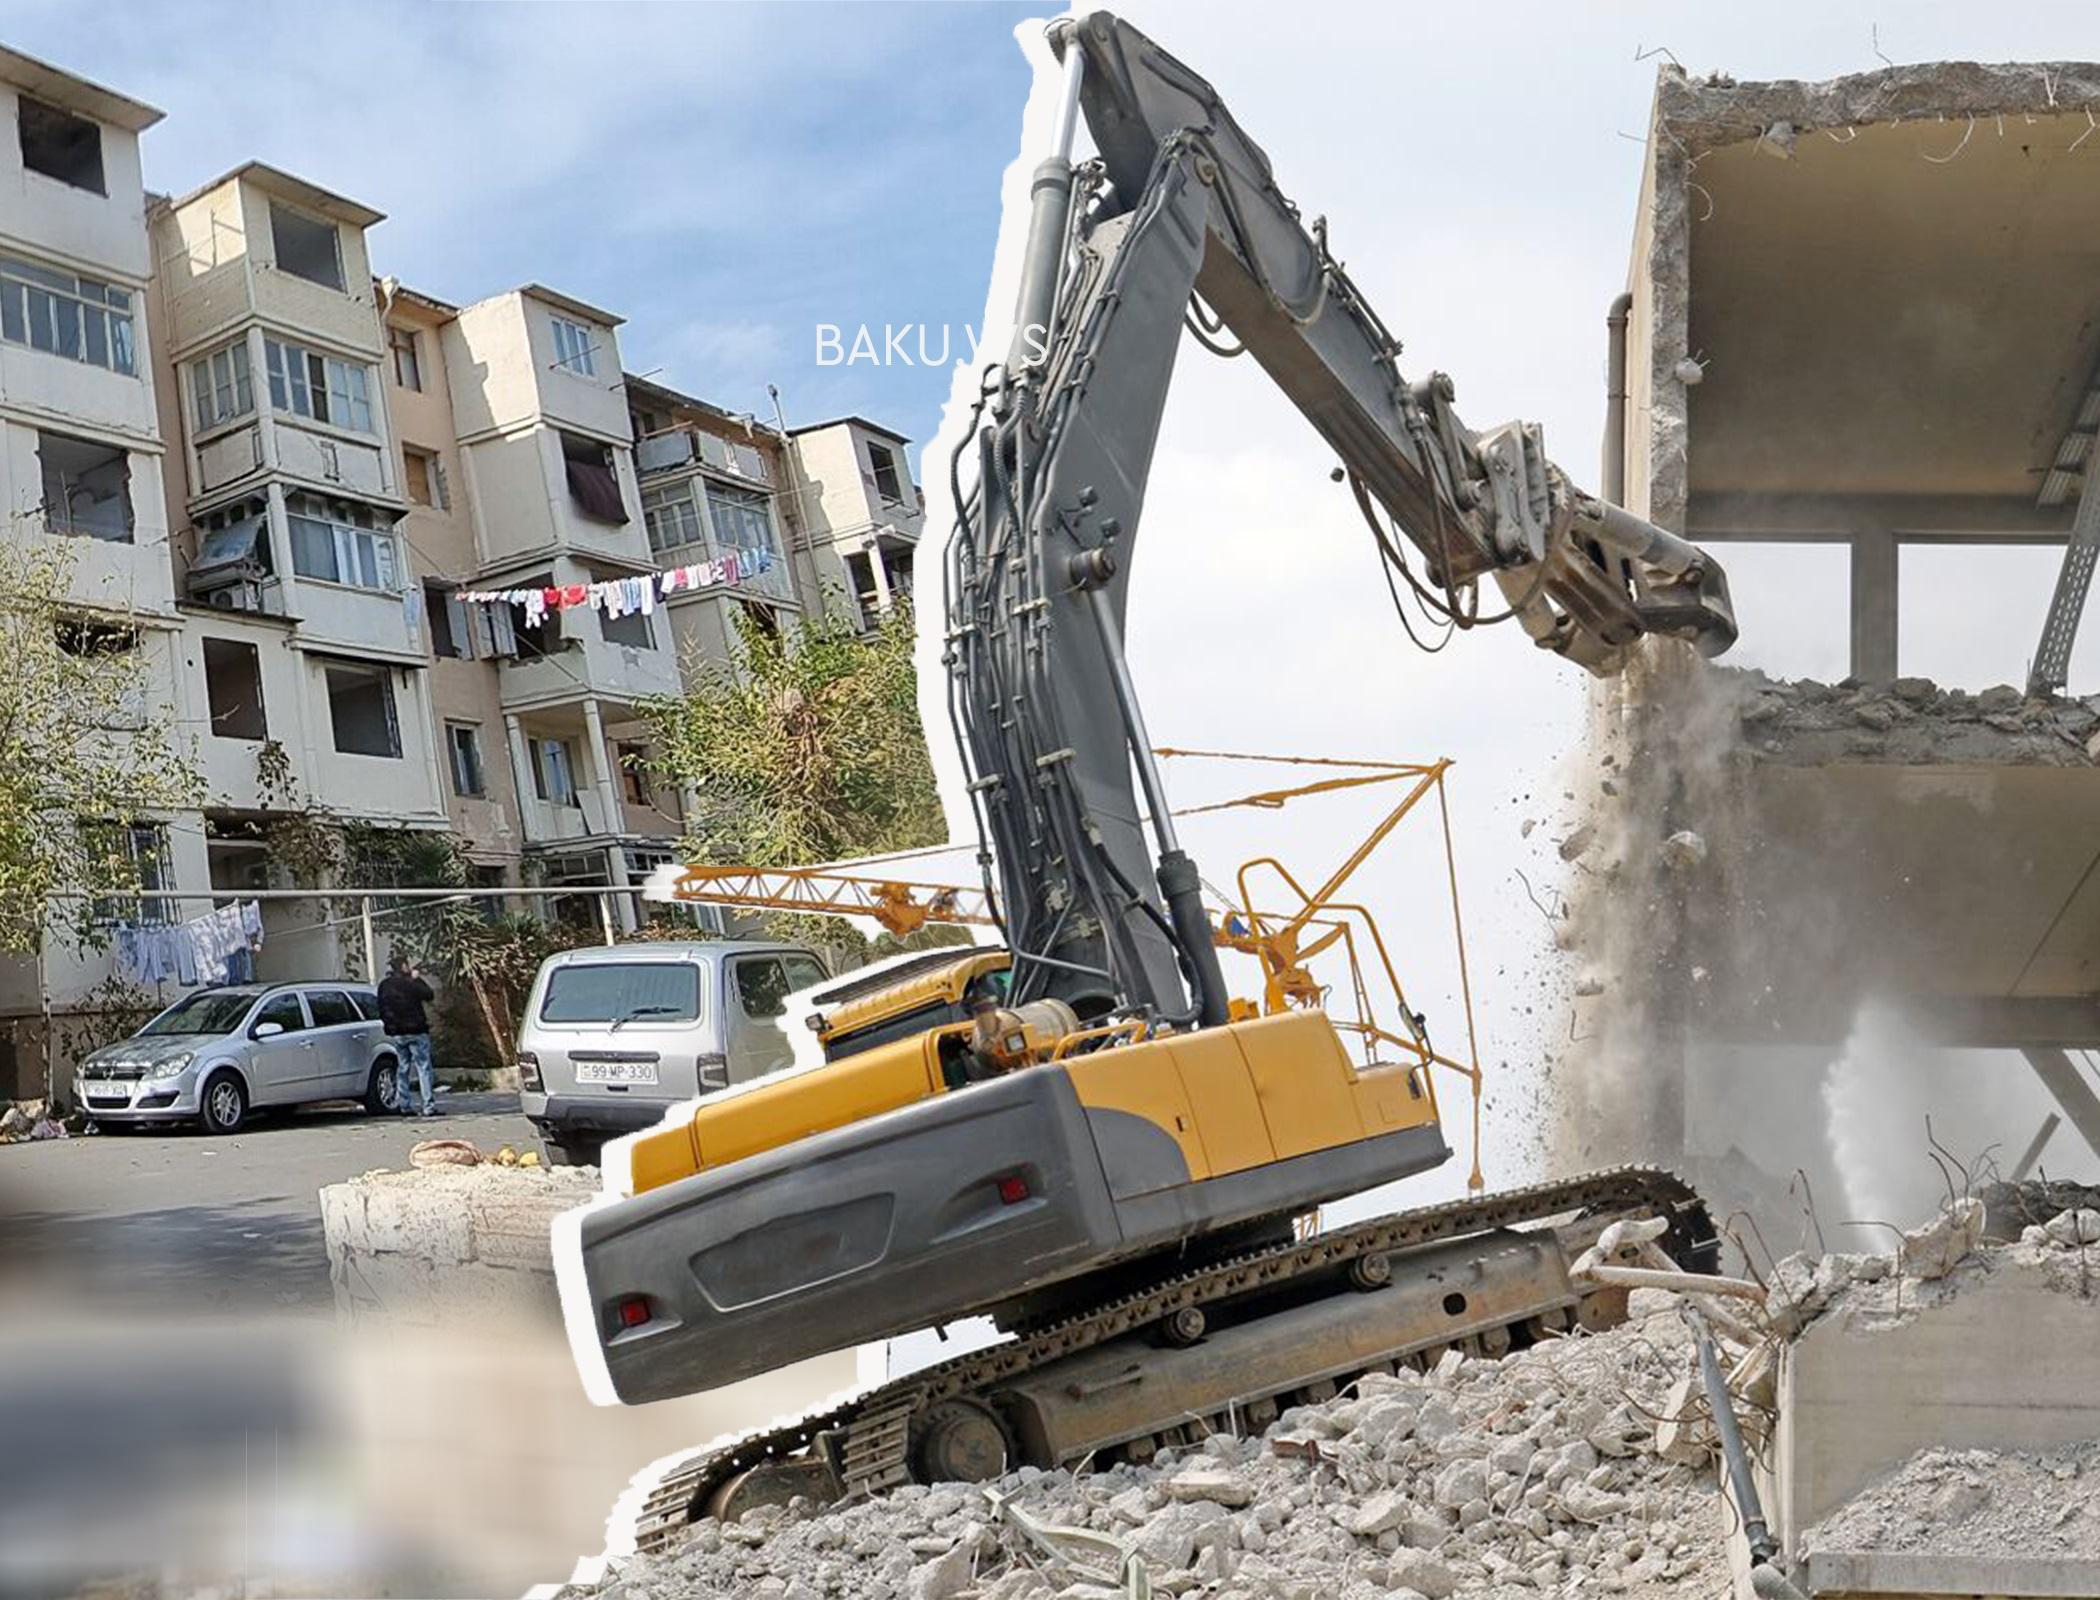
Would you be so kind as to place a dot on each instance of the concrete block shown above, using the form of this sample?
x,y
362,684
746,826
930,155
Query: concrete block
x,y
1886,1575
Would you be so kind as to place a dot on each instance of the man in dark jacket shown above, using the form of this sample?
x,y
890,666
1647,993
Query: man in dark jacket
x,y
402,996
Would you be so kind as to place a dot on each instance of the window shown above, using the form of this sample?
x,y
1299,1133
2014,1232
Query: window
x,y
307,247
632,761
463,741
55,312
331,1008
761,987
282,1009
451,630
233,686
318,386
361,706
593,484
130,859
335,543
572,348
87,488
61,145
672,517
222,387
614,991
803,972
742,518
408,358
367,1004
889,482
631,630
424,475
553,772
762,617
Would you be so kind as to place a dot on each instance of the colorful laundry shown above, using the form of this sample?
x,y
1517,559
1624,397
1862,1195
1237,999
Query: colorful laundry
x,y
617,597
217,947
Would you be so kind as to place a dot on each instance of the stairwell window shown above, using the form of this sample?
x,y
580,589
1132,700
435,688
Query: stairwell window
x,y
408,358
308,384
81,319
463,743
889,482
338,543
222,386
573,348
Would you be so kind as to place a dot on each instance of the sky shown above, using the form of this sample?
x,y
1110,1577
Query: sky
x,y
730,177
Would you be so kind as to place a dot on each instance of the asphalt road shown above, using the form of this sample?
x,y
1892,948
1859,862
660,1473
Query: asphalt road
x,y
179,1222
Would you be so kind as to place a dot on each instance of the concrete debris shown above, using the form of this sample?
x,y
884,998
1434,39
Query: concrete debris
x,y
1683,848
1482,1477
1577,844
445,1153
1942,1244
1910,722
1976,1503
2072,1229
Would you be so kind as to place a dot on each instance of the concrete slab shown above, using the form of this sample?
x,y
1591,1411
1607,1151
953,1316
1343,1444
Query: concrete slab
x,y
1841,1574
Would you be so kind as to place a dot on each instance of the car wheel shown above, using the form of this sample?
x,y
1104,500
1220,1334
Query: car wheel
x,y
573,1150
383,1088
223,1106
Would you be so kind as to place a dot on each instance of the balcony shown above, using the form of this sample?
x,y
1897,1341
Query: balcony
x,y
586,664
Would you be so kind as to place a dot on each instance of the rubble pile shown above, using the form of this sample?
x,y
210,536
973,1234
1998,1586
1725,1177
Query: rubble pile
x,y
1989,1503
24,1120
1535,1473
1913,722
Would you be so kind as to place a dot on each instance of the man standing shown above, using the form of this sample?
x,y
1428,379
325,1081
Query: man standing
x,y
402,997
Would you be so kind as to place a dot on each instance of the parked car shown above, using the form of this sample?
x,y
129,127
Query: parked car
x,y
616,1034
218,1053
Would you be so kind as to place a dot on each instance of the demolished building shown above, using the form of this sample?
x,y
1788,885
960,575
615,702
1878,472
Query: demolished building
x,y
1864,315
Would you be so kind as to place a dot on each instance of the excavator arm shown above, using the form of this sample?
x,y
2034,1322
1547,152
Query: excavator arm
x,y
1179,221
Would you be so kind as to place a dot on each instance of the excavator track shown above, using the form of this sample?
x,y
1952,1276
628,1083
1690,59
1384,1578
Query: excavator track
x,y
864,1446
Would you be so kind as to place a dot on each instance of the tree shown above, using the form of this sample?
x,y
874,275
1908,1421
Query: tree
x,y
807,750
89,764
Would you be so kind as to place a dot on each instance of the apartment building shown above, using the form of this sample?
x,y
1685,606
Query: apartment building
x,y
286,474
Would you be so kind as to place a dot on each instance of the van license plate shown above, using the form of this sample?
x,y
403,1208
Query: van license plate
x,y
616,1072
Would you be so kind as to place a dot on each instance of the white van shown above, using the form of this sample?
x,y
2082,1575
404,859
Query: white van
x,y
615,1034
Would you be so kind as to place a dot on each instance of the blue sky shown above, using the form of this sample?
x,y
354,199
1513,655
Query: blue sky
x,y
725,176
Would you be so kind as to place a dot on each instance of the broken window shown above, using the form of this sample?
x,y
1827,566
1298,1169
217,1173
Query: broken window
x,y
87,488
408,360
361,707
322,387
81,319
307,247
762,617
463,743
84,637
593,483
573,349
742,518
889,482
424,475
222,386
130,858
61,145
632,630
338,544
233,686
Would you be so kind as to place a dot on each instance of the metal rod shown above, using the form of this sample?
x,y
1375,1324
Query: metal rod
x,y
497,891
364,916
1677,1282
2036,1145
605,919
1134,721
1614,479
1763,1547
1068,99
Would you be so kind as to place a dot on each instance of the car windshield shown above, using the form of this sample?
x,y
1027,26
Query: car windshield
x,y
207,1012
623,991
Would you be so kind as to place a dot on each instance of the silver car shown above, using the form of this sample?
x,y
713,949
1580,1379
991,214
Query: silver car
x,y
218,1053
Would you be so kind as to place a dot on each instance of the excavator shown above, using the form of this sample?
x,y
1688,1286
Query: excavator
x,y
1078,1131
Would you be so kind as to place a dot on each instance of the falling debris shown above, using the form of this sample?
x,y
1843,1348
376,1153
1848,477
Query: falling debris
x,y
1577,844
1683,848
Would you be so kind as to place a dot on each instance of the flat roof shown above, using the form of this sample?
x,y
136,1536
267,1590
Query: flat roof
x,y
401,293
68,89
856,421
308,196
569,303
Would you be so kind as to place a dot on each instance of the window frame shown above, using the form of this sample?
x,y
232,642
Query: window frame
x,y
347,553
60,523
279,211
881,457
433,465
384,678
407,342
294,373
154,866
472,745
28,106
215,388
736,508
575,346
22,280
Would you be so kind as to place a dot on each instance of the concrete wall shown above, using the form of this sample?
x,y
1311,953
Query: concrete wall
x,y
91,232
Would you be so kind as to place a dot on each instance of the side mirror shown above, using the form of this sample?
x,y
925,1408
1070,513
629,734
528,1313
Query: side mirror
x,y
266,1030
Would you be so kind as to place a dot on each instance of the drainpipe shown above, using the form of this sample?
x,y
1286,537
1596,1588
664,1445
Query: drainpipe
x,y
1614,477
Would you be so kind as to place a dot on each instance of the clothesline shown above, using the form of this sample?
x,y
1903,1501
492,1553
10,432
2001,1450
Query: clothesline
x,y
616,597
217,947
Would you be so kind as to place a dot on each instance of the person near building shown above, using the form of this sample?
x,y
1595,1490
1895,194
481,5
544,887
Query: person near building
x,y
402,997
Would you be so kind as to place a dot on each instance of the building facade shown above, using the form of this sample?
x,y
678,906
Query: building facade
x,y
287,472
